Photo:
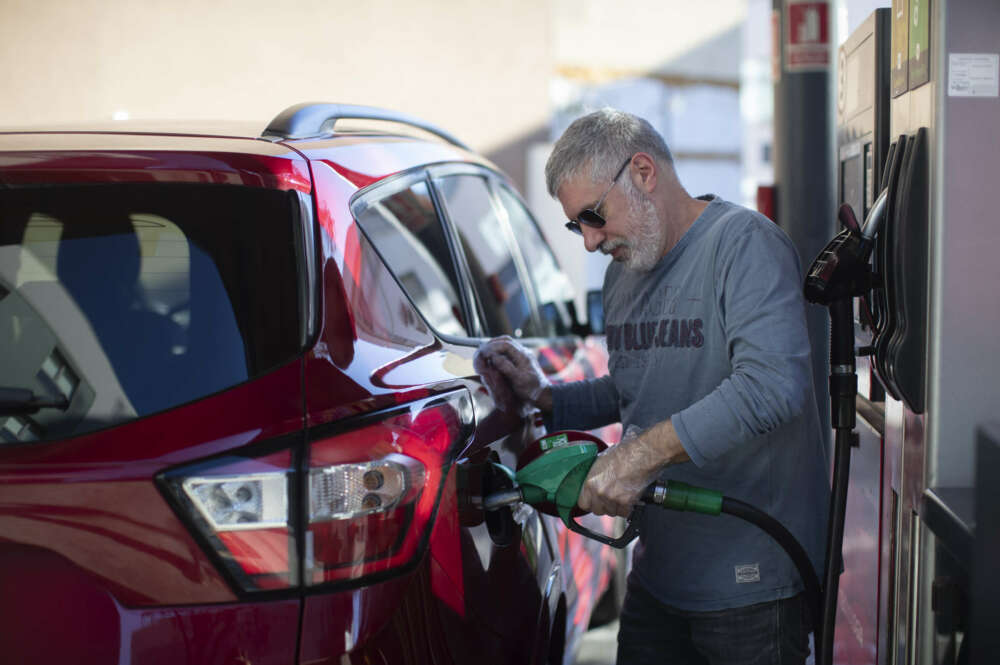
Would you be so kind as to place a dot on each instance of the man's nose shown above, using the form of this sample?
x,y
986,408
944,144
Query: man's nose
x,y
592,238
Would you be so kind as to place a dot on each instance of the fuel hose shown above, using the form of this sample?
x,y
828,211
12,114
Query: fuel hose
x,y
675,495
774,528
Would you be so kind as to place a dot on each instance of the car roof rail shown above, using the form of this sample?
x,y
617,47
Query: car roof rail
x,y
310,120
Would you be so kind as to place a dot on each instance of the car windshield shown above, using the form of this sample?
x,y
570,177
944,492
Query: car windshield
x,y
119,301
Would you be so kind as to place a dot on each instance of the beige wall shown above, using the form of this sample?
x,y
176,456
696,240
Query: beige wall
x,y
479,69
639,37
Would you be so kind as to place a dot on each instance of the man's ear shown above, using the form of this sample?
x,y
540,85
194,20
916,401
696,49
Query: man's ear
x,y
644,172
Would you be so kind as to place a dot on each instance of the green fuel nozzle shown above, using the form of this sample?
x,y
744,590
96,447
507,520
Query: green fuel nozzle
x,y
555,477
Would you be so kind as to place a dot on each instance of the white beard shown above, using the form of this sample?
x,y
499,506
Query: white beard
x,y
645,237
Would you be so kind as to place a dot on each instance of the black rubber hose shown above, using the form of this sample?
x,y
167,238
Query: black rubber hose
x,y
843,389
774,528
835,536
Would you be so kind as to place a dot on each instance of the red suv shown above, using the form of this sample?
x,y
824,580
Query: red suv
x,y
239,420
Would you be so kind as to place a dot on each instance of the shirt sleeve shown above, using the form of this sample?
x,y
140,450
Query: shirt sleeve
x,y
584,405
763,313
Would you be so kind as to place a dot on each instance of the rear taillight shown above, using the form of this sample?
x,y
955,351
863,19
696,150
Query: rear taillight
x,y
241,508
338,508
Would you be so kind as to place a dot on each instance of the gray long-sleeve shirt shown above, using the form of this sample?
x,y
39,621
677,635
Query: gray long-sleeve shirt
x,y
714,338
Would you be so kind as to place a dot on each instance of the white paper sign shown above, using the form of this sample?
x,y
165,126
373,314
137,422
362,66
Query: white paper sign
x,y
973,74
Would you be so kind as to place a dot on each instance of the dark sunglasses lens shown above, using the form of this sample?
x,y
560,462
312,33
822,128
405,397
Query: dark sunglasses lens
x,y
591,218
574,227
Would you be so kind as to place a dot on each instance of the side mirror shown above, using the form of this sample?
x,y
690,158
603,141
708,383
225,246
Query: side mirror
x,y
576,327
595,312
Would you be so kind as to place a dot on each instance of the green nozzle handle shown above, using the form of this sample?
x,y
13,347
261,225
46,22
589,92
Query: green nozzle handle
x,y
675,495
557,476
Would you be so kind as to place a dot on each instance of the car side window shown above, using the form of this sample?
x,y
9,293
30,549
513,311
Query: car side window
x,y
502,296
406,231
551,284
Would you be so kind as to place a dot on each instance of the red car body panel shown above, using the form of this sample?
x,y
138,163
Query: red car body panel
x,y
83,157
91,550
90,498
88,625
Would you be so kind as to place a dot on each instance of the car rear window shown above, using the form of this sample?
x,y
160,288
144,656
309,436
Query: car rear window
x,y
128,299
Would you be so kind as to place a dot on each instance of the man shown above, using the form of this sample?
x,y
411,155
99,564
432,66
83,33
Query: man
x,y
710,377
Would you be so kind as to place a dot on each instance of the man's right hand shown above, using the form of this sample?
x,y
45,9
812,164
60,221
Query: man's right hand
x,y
518,367
620,474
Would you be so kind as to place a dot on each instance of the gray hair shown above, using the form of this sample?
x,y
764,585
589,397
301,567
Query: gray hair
x,y
598,143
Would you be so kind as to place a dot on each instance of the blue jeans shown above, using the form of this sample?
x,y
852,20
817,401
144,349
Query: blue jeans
x,y
771,633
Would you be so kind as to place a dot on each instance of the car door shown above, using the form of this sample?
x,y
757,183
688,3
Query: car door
x,y
564,357
505,564
504,305
522,292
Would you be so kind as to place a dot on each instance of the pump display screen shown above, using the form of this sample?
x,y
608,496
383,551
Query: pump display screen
x,y
852,183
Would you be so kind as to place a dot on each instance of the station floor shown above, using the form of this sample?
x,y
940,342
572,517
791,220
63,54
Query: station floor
x,y
598,646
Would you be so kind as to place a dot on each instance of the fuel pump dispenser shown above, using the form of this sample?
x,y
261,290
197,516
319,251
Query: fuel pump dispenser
x,y
839,275
918,87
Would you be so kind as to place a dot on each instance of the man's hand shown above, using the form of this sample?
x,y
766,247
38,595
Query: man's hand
x,y
518,369
621,473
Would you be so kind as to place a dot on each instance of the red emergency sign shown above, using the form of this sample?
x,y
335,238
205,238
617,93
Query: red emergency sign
x,y
807,35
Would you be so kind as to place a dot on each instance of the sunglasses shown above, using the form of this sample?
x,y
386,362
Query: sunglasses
x,y
589,216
